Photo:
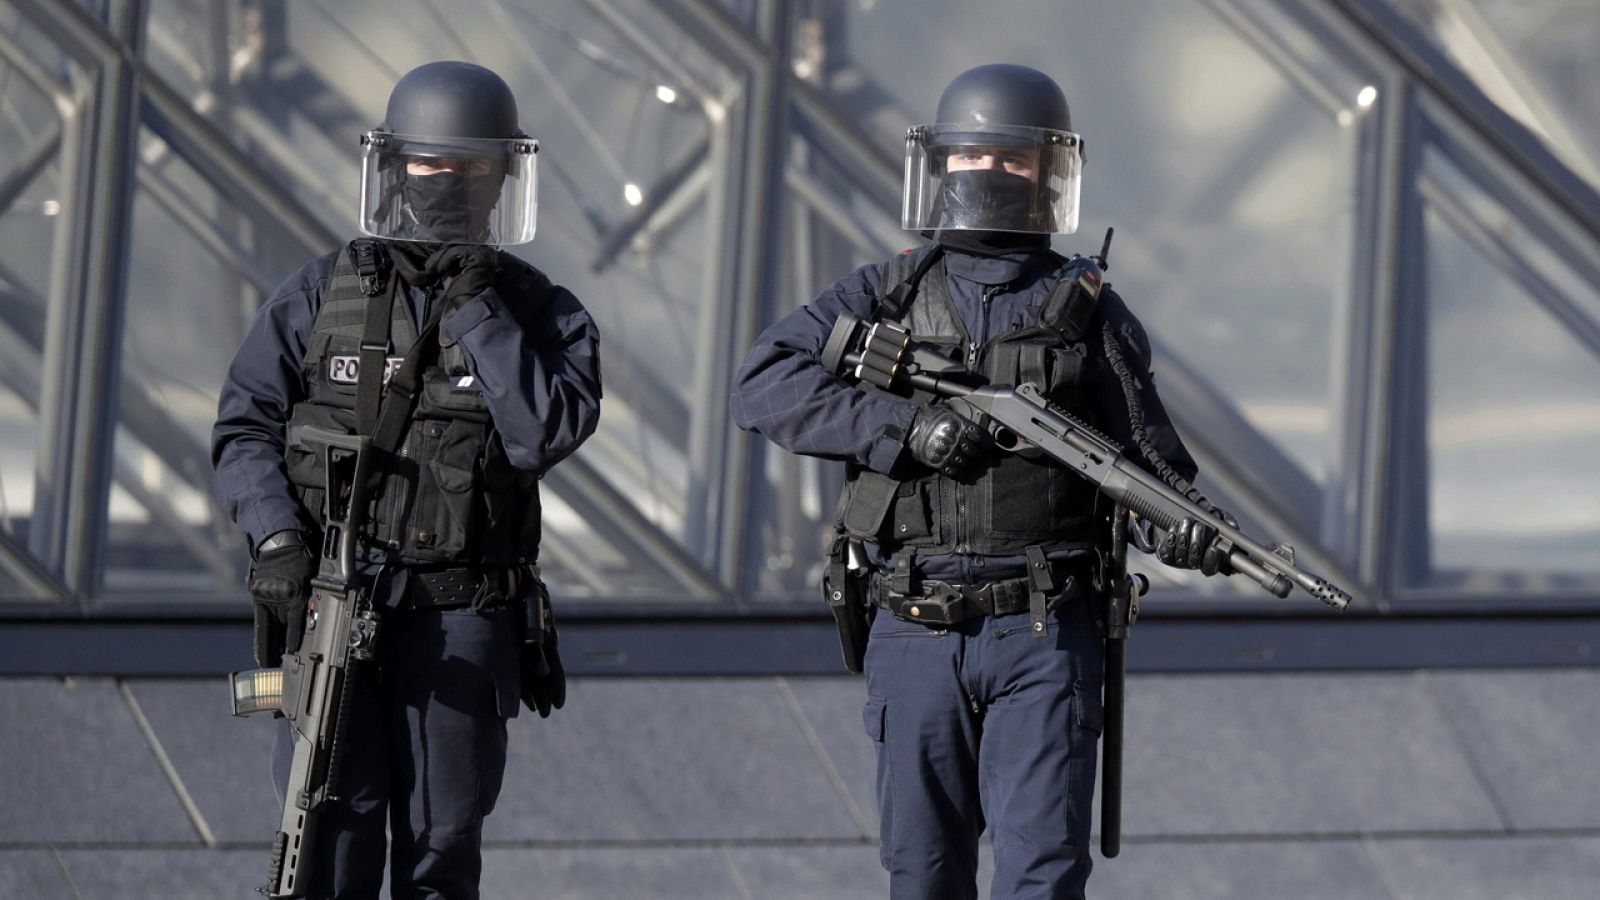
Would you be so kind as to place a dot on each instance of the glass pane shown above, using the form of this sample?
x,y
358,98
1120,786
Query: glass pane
x,y
1533,58
1513,405
187,276
32,221
230,61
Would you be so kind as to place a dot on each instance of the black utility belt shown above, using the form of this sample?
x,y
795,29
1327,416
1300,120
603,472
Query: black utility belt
x,y
456,587
941,603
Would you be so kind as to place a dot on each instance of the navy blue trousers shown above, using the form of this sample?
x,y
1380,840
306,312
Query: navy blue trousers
x,y
982,725
425,755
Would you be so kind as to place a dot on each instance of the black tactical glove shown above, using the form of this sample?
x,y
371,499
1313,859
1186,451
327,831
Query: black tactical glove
x,y
280,585
472,269
944,439
544,679
1195,544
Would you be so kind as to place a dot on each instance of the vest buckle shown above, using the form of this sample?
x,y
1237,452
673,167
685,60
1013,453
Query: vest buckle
x,y
367,257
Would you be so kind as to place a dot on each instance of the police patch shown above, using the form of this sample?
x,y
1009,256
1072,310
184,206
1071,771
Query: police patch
x,y
346,368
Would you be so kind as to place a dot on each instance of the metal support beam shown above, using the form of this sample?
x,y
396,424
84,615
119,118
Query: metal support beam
x,y
18,567
1354,513
1399,506
19,366
745,232
83,334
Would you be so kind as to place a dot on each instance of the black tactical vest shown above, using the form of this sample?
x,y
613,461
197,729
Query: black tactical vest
x,y
447,494
1016,502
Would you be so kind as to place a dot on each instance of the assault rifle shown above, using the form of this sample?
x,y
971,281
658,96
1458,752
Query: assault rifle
x,y
315,683
1021,420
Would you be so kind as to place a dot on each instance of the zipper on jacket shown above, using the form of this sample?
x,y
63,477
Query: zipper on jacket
x,y
983,323
974,349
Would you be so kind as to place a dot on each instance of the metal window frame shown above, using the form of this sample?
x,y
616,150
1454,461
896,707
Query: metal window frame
x,y
1425,102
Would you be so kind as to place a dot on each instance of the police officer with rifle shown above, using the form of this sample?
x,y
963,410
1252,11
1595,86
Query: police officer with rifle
x,y
463,374
981,574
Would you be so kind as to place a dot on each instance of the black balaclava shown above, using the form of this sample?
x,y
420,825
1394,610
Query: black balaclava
x,y
417,261
994,197
450,203
992,243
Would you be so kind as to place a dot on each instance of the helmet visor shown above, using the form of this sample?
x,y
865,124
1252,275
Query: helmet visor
x,y
450,190
991,178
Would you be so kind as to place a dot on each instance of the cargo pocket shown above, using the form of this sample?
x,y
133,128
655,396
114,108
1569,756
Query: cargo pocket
x,y
1088,712
872,716
1065,381
1027,497
456,397
452,521
866,503
915,514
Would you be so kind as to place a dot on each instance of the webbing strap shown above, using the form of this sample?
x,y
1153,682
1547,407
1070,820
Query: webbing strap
x,y
838,569
893,303
1041,582
401,397
374,360
366,257
904,580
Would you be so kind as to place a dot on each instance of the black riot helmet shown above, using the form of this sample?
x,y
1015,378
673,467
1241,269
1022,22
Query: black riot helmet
x,y
449,162
1001,155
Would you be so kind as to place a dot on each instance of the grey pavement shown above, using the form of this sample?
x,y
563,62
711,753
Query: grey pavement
x,y
1455,784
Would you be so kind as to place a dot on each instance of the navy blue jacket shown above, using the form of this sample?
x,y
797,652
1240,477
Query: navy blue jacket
x,y
783,392
538,365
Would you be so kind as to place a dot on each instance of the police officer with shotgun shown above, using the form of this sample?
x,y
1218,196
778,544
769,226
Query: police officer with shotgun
x,y
466,374
983,574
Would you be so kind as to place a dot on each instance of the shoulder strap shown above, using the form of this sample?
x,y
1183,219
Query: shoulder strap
x,y
371,265
400,398
896,290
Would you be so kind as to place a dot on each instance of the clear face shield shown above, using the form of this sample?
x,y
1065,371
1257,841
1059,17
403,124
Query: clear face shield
x,y
991,178
449,190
